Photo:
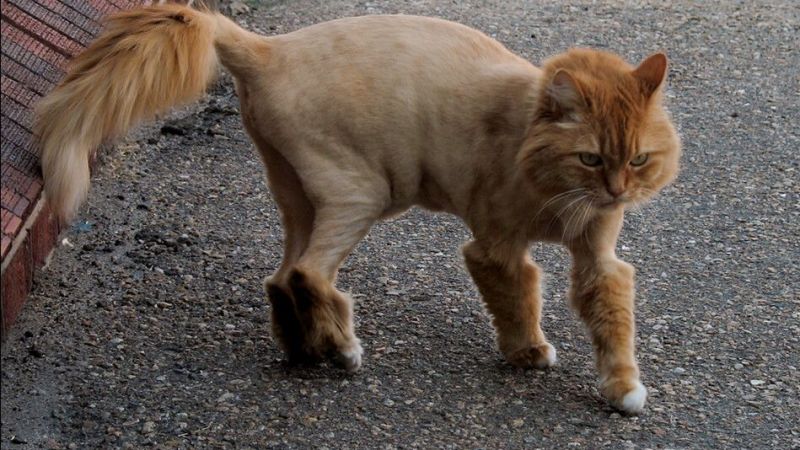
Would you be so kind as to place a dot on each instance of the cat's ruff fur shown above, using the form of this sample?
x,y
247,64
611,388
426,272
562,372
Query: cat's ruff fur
x,y
359,119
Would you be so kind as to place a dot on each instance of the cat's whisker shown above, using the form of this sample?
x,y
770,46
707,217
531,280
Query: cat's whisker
x,y
566,230
557,216
561,196
586,209
585,232
565,227
554,199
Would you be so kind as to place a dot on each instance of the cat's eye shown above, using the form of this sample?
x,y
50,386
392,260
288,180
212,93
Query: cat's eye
x,y
640,159
591,159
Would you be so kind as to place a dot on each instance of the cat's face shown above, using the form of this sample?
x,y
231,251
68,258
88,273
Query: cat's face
x,y
602,138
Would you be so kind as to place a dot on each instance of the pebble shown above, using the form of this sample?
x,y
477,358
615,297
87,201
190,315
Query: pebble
x,y
148,427
225,397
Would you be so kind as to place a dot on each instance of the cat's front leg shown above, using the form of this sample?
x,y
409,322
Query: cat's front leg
x,y
509,284
602,293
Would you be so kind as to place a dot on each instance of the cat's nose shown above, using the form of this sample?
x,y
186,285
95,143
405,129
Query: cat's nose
x,y
616,191
615,184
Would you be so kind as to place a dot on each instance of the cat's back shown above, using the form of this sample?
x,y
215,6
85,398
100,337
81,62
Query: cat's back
x,y
384,55
389,37
381,74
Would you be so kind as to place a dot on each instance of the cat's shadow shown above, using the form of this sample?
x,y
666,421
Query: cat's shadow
x,y
490,379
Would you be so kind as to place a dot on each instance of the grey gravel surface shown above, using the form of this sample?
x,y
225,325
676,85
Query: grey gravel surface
x,y
149,328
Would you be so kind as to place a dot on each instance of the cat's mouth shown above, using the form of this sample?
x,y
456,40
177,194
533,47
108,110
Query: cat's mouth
x,y
612,203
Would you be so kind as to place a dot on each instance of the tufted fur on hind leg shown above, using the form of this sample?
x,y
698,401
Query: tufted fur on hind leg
x,y
326,317
286,326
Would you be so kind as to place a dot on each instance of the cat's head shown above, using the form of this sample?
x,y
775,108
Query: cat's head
x,y
601,133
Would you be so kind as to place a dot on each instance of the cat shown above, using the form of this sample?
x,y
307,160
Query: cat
x,y
359,119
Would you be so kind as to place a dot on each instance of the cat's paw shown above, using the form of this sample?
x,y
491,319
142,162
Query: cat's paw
x,y
350,359
627,396
539,356
286,327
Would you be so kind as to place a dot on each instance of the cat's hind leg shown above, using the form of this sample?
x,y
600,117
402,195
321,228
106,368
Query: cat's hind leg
x,y
509,284
325,313
297,217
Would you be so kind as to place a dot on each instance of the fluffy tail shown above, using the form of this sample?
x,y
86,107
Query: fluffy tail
x,y
145,62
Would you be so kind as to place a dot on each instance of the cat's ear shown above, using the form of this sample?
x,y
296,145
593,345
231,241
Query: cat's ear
x,y
651,73
566,92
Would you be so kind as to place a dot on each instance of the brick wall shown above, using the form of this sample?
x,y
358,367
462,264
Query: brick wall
x,y
38,39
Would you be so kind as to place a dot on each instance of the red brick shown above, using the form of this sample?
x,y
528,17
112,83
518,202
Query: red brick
x,y
55,21
85,22
16,283
18,92
21,206
17,135
16,156
7,195
34,46
34,190
50,37
21,115
36,82
12,226
33,67
103,7
119,4
85,7
6,245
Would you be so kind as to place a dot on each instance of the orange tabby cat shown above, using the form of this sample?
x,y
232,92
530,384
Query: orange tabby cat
x,y
359,119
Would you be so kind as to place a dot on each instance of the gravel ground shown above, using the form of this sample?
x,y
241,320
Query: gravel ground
x,y
149,327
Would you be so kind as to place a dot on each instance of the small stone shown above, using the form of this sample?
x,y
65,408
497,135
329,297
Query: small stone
x,y
225,397
516,423
757,382
237,7
131,422
148,427
679,370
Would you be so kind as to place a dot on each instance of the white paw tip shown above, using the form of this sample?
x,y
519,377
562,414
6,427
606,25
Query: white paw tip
x,y
548,356
633,401
351,359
